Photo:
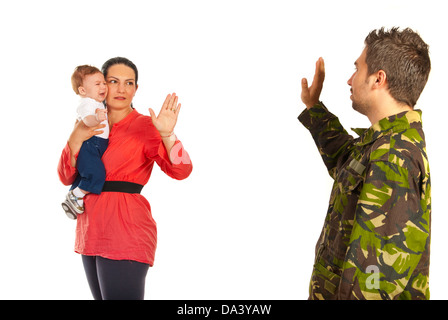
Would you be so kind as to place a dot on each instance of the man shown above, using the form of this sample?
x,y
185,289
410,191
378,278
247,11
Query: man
x,y
376,236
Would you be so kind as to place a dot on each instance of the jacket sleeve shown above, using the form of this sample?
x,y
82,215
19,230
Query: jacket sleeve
x,y
332,140
390,234
66,172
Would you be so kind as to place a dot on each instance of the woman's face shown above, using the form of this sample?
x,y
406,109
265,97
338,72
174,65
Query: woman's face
x,y
121,86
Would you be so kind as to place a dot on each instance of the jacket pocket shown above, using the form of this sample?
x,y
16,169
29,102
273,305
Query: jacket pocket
x,y
351,177
324,283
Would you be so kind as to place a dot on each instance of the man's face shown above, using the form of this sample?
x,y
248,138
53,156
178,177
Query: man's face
x,y
359,83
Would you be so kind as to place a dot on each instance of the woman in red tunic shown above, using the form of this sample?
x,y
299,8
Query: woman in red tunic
x,y
116,235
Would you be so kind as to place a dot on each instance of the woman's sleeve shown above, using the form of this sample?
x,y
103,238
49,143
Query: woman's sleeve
x,y
66,172
180,166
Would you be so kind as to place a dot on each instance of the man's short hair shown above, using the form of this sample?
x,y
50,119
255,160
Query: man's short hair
x,y
80,73
404,57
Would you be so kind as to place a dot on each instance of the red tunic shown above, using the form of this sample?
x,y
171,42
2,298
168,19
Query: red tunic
x,y
117,225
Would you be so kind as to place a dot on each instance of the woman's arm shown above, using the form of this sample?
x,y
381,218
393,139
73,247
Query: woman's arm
x,y
81,133
67,162
170,154
166,121
177,163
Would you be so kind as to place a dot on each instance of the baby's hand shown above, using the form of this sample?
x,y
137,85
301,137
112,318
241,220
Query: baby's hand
x,y
101,114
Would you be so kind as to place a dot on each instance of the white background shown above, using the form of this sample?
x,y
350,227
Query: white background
x,y
245,223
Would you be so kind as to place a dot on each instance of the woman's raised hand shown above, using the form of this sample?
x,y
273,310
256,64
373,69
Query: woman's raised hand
x,y
167,118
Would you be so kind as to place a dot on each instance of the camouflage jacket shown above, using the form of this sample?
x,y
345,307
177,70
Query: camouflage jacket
x,y
376,236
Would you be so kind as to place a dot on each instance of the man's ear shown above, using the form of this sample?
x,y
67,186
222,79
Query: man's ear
x,y
381,79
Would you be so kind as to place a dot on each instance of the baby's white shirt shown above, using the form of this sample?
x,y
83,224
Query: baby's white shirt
x,y
87,107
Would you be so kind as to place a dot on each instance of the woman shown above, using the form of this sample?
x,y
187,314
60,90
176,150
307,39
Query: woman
x,y
116,235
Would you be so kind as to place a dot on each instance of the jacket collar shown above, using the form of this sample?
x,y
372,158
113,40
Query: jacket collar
x,y
395,123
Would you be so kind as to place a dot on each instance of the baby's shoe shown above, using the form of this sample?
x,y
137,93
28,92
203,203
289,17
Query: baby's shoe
x,y
71,206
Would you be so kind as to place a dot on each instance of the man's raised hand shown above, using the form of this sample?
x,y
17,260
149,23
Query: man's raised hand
x,y
310,95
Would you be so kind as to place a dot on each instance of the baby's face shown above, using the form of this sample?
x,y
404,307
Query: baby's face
x,y
95,86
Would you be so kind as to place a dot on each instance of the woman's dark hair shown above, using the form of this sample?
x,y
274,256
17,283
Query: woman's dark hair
x,y
119,60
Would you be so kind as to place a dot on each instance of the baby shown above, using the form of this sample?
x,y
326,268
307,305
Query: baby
x,y
88,82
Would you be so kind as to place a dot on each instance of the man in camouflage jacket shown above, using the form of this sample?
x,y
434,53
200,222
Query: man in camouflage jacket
x,y
376,237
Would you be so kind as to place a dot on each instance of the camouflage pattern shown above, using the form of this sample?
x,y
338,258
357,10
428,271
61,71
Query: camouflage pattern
x,y
376,236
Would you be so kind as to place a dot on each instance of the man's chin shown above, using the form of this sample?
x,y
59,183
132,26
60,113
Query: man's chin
x,y
359,108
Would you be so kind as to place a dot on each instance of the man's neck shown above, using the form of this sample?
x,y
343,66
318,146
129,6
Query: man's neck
x,y
386,108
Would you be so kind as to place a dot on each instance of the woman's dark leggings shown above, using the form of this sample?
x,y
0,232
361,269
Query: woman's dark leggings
x,y
115,279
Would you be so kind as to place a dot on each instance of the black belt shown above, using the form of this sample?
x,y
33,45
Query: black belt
x,y
122,186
